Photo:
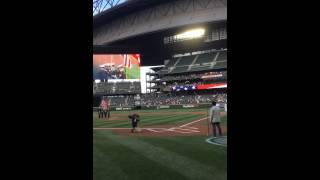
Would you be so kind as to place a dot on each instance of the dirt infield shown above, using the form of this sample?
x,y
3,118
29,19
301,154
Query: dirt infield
x,y
194,128
161,113
123,116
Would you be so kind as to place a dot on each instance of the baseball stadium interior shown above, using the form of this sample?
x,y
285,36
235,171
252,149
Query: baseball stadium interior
x,y
185,72
160,90
162,74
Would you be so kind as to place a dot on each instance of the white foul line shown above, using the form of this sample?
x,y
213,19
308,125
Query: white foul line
x,y
152,129
122,128
192,127
193,122
173,129
180,129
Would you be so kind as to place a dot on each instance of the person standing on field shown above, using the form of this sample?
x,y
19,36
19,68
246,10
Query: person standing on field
x,y
104,106
214,114
109,108
135,118
100,112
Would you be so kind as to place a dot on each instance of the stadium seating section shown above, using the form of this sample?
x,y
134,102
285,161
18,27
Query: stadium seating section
x,y
117,88
222,56
205,58
186,60
194,63
167,99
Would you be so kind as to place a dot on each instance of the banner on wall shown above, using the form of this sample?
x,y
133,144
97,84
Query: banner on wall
x,y
212,86
184,88
211,76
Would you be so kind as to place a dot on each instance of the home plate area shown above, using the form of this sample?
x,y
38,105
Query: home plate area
x,y
182,130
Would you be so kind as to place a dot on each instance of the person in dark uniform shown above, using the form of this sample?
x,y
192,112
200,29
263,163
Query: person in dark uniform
x,y
135,118
100,112
109,108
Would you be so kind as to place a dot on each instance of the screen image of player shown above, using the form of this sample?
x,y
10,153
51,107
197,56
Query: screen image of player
x,y
116,66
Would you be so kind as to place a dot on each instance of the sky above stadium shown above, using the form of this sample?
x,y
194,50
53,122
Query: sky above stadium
x,y
102,5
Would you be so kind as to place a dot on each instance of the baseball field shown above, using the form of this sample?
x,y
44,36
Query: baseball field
x,y
171,144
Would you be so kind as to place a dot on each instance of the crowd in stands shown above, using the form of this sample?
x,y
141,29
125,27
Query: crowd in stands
x,y
168,82
174,99
191,83
155,99
116,88
194,76
168,86
121,101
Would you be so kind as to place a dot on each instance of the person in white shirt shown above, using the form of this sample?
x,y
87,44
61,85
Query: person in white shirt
x,y
214,114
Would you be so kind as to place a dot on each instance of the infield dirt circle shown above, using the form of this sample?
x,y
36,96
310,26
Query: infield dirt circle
x,y
194,128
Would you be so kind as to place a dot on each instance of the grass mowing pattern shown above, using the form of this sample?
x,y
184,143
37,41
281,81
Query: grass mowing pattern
x,y
158,158
121,157
146,119
117,161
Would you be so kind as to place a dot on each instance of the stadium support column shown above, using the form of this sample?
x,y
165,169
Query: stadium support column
x,y
149,84
146,83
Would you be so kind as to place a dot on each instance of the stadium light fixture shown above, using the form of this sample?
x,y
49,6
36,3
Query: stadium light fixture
x,y
191,34
97,81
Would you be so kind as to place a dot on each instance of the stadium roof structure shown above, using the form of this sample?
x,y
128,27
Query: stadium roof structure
x,y
102,5
119,9
157,68
133,26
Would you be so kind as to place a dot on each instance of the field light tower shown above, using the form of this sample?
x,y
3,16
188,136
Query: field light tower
x,y
191,34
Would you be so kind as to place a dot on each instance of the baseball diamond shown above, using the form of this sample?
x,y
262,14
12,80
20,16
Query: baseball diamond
x,y
160,89
170,138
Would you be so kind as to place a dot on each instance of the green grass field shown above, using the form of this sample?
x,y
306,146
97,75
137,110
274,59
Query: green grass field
x,y
119,157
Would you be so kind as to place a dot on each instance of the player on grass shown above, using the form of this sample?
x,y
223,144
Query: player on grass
x,y
109,108
135,118
104,106
100,112
215,118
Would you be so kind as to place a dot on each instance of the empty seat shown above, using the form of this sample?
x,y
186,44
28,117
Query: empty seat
x,y
222,56
205,58
172,62
220,64
180,69
200,68
186,60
